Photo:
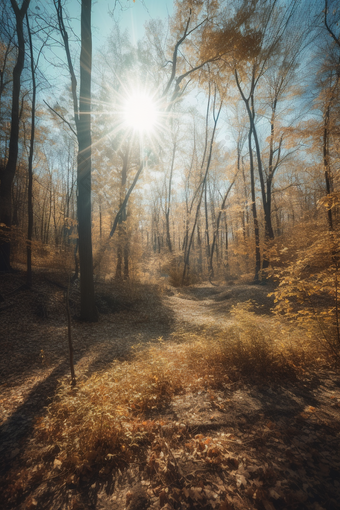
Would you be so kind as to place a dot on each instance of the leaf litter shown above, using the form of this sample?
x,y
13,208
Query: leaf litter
x,y
181,422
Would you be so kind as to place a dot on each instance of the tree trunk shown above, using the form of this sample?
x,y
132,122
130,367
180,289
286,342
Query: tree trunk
x,y
167,213
122,238
327,170
226,256
254,212
9,171
82,116
190,240
207,239
211,269
87,302
126,259
30,168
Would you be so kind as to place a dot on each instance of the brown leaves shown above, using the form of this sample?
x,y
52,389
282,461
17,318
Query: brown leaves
x,y
257,446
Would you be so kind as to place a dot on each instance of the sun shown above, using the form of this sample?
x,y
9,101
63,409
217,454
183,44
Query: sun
x,y
140,112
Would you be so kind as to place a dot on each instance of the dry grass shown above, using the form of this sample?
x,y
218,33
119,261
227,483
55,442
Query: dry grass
x,y
176,277
110,419
102,423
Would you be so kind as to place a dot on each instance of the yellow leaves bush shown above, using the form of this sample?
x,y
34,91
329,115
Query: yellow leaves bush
x,y
308,292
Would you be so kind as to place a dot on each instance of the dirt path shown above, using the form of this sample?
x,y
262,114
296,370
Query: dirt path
x,y
209,306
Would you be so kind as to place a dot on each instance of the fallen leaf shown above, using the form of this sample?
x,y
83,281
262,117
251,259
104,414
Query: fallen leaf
x,y
268,505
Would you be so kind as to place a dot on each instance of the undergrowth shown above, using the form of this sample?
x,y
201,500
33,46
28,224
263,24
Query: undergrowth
x,y
110,419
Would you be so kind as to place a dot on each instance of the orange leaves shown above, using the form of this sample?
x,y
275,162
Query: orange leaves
x,y
225,505
31,504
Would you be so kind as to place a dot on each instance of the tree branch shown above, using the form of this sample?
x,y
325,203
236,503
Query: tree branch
x,y
64,35
329,30
61,117
118,215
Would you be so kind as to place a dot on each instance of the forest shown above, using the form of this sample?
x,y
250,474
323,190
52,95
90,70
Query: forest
x,y
169,254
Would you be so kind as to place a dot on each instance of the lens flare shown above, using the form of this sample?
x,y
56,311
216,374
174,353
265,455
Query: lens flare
x,y
140,112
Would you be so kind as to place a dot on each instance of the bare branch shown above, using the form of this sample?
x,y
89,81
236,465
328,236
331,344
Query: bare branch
x,y
64,35
329,30
175,55
119,213
61,117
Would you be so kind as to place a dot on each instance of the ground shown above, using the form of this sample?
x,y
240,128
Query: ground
x,y
249,444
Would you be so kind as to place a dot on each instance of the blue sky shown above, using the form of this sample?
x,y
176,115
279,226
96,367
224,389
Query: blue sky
x,y
131,16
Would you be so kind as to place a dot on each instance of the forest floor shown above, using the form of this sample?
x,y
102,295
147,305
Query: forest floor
x,y
241,440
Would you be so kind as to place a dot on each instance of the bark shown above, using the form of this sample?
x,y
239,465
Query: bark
x,y
8,172
87,301
199,244
3,83
122,249
30,167
207,239
82,116
167,213
190,241
69,335
254,212
226,258
119,213
327,170
218,220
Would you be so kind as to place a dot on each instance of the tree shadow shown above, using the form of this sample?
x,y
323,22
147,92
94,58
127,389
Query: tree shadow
x,y
15,431
31,340
27,338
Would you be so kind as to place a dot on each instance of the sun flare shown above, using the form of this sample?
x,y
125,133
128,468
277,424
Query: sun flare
x,y
140,112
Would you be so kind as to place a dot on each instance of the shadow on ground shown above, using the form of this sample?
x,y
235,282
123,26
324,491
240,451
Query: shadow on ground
x,y
34,352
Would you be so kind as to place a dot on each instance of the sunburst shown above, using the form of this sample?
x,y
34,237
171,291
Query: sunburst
x,y
140,113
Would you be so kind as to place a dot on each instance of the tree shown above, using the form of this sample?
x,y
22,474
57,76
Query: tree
x,y
331,25
82,117
216,114
30,164
174,136
7,173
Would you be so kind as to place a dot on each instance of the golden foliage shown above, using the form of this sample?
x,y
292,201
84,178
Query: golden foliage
x,y
308,290
107,420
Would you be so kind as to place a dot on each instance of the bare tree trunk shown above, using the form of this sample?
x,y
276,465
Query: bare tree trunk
x,y
167,212
187,254
252,131
82,115
69,335
327,170
207,240
122,249
126,259
30,167
87,302
119,213
226,257
211,269
254,211
8,172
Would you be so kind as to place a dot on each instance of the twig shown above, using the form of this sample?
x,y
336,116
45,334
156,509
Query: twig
x,y
61,117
